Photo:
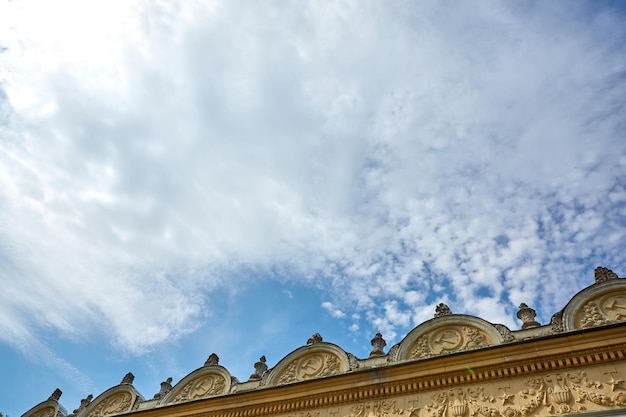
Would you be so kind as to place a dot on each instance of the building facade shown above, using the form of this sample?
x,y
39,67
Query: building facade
x,y
453,365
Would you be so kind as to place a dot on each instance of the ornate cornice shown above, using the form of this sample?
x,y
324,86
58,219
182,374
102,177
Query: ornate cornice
x,y
523,359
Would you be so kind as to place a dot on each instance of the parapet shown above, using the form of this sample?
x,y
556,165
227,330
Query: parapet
x,y
554,368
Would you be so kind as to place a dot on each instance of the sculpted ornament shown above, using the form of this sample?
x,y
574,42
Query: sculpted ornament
x,y
505,332
311,366
442,310
527,316
605,310
602,274
448,339
556,322
115,404
562,393
46,412
202,387
378,343
305,414
382,408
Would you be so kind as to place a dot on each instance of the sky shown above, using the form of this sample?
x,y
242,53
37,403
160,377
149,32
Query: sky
x,y
185,177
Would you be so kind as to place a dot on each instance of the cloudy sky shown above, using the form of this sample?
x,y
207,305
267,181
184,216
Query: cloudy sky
x,y
181,178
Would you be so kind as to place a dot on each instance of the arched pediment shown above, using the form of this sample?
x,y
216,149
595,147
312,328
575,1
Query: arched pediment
x,y
48,408
447,334
598,305
205,382
119,399
316,360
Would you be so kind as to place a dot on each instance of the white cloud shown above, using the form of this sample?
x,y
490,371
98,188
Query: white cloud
x,y
334,311
395,156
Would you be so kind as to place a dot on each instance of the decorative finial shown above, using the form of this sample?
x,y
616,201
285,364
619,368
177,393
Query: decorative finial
x,y
56,395
212,360
527,316
128,379
442,310
83,404
316,338
378,343
166,386
259,368
603,274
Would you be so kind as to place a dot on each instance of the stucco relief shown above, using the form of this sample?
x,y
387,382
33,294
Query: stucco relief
x,y
448,339
202,387
114,404
46,412
603,310
544,395
381,408
314,365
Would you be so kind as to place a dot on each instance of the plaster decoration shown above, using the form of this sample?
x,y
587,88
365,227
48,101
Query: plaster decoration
x,y
556,322
449,334
597,305
378,343
83,404
316,338
128,379
380,408
204,382
201,387
557,393
305,414
527,316
317,360
602,274
212,360
605,309
505,332
56,395
392,355
260,368
46,412
314,365
113,404
442,310
353,361
166,386
448,339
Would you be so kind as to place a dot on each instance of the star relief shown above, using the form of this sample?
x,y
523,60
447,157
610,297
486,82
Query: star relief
x,y
506,398
615,383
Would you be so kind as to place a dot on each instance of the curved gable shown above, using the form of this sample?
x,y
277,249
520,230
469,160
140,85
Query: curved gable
x,y
119,399
48,408
447,334
598,305
208,381
316,360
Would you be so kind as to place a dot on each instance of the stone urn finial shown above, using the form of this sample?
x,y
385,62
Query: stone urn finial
x,y
128,379
166,386
212,360
260,368
378,343
527,316
603,274
442,310
83,404
56,395
316,338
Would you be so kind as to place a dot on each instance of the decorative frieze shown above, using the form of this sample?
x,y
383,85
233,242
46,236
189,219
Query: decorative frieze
x,y
315,365
115,404
449,339
202,387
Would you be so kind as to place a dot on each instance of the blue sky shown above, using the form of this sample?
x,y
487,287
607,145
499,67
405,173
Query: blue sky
x,y
182,178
